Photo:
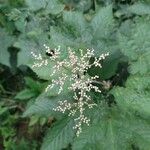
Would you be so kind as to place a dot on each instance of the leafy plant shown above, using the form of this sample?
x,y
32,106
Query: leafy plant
x,y
120,117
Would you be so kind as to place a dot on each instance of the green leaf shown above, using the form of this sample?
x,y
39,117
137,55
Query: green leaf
x,y
104,35
19,18
135,97
24,55
34,85
139,83
36,5
44,105
22,144
5,41
103,23
136,46
33,120
103,135
34,88
25,94
129,99
54,7
27,45
75,20
59,136
114,131
141,65
137,42
3,110
109,66
139,9
83,5
58,37
88,137
43,121
49,6
45,72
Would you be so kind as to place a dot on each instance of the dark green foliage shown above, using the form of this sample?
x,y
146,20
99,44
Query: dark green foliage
x,y
120,27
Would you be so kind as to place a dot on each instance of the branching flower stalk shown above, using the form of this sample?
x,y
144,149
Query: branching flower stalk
x,y
80,83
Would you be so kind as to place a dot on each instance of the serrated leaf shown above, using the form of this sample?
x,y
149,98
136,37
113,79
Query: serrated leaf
x,y
44,72
141,65
114,132
19,19
83,5
44,105
25,57
135,97
105,136
137,42
129,99
139,83
36,5
26,46
54,7
88,137
75,20
59,136
136,46
58,37
103,23
50,6
139,9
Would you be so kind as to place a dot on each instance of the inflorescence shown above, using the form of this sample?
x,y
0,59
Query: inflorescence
x,y
80,83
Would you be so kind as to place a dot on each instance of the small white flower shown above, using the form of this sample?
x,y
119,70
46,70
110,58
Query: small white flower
x,y
80,83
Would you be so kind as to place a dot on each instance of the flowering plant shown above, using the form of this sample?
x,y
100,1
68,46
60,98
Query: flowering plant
x,y
80,83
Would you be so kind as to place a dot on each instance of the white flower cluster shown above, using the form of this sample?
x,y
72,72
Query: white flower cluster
x,y
80,83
